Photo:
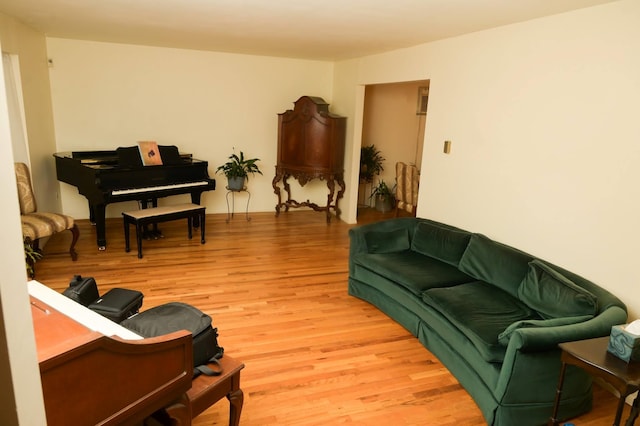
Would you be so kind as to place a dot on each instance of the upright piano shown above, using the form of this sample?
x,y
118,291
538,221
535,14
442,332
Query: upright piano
x,y
106,177
96,372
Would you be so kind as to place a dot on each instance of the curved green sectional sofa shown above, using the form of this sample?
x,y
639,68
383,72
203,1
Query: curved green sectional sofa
x,y
492,314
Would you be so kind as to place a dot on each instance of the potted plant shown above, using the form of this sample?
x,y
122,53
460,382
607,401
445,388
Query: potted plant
x,y
370,163
384,197
237,170
31,257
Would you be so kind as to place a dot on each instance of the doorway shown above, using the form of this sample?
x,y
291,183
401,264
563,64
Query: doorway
x,y
394,121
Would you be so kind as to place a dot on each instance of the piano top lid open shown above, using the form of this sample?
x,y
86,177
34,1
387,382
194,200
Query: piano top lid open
x,y
125,156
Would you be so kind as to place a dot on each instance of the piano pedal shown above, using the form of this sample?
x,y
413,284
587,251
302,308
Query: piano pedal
x,y
152,235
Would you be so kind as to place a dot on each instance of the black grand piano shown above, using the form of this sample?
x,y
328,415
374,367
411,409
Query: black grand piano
x,y
105,177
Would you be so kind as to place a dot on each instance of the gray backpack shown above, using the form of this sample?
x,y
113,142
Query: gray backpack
x,y
175,316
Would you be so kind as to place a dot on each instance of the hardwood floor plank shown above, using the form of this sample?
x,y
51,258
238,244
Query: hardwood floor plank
x,y
276,288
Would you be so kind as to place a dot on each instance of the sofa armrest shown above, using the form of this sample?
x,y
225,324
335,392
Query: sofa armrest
x,y
541,338
535,350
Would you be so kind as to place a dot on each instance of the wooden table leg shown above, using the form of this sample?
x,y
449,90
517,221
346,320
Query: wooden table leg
x,y
634,412
553,421
236,398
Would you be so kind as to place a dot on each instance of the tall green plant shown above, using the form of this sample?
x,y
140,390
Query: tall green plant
x,y
370,163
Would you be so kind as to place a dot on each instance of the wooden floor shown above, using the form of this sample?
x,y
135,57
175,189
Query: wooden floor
x,y
277,291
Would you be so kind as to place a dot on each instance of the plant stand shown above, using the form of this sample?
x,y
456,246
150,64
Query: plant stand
x,y
364,194
230,211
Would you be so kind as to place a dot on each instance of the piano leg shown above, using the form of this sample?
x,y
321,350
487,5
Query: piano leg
x,y
98,211
92,215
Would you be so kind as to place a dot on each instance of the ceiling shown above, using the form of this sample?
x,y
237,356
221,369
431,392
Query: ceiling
x,y
322,30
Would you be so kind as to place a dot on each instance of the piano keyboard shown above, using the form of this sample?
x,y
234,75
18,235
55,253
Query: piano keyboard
x,y
158,188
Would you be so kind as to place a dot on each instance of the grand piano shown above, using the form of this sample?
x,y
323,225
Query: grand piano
x,y
106,177
96,372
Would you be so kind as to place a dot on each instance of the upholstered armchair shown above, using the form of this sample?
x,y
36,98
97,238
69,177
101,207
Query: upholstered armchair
x,y
35,224
407,181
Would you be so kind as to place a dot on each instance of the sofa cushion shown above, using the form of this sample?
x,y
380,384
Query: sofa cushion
x,y
444,244
495,263
412,270
481,312
553,295
387,241
504,337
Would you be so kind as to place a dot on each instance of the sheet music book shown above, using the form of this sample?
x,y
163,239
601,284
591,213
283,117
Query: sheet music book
x,y
149,153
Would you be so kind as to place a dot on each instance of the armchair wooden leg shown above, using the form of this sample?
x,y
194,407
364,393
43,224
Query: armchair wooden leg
x,y
72,249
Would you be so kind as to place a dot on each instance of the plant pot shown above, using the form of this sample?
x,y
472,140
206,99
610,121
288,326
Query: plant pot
x,y
384,204
235,183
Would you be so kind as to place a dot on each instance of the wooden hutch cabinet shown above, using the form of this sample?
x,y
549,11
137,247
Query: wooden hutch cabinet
x,y
310,146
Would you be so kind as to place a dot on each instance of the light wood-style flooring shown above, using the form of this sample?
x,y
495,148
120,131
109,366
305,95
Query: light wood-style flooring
x,y
276,288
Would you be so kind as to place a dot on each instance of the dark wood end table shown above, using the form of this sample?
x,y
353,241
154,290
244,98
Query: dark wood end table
x,y
207,390
591,355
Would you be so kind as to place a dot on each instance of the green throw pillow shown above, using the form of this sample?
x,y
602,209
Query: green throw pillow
x,y
503,338
387,241
441,243
553,295
495,263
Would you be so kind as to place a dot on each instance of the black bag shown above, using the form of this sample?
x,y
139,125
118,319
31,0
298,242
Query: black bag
x,y
118,304
82,290
175,316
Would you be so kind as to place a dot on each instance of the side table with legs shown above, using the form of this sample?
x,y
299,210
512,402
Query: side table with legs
x,y
233,192
206,391
591,355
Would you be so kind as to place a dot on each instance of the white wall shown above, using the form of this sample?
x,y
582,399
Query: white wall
x,y
109,95
542,116
20,388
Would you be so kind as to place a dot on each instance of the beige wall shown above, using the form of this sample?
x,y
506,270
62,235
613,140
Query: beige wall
x,y
541,115
542,119
109,95
30,47
21,399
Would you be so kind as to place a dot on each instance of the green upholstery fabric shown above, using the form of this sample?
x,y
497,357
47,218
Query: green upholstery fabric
x,y
504,337
480,311
495,263
553,295
388,241
469,317
444,244
412,270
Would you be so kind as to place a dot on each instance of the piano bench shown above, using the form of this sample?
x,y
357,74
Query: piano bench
x,y
143,217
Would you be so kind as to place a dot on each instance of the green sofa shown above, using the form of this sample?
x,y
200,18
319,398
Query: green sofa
x,y
492,314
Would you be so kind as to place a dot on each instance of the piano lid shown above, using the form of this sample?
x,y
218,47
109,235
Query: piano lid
x,y
125,156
